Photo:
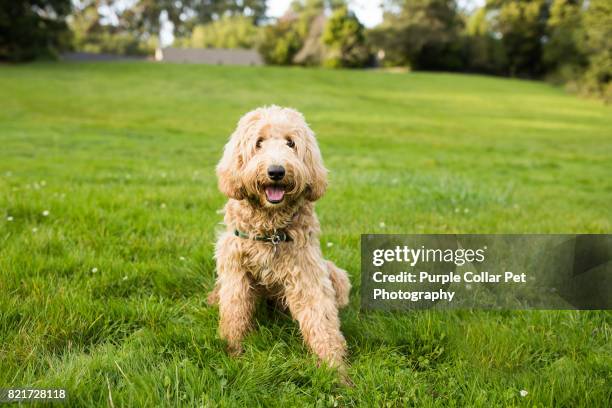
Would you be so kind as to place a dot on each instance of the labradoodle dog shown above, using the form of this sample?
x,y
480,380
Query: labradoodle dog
x,y
272,173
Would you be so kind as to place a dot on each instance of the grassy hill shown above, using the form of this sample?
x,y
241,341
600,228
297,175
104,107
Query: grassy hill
x,y
108,213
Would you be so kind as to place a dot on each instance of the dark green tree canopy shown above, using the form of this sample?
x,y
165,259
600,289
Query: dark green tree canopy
x,y
185,14
522,27
32,28
344,40
420,33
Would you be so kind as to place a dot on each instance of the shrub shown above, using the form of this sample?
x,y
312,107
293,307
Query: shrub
x,y
280,43
228,32
344,39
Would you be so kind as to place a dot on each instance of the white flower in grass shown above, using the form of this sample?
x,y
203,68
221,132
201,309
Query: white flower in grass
x,y
163,205
466,210
45,213
330,244
9,218
382,224
523,393
468,286
182,258
457,210
43,183
94,270
125,278
34,229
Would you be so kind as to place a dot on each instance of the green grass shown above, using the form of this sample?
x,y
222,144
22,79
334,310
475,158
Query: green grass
x,y
122,157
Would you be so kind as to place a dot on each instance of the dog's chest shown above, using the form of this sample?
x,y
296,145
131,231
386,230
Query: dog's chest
x,y
266,263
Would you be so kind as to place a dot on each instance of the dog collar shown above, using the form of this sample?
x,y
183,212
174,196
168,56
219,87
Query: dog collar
x,y
275,238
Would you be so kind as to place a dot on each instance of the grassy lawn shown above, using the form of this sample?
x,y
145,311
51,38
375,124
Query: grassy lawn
x,y
108,213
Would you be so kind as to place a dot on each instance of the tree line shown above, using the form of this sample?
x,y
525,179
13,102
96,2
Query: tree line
x,y
563,41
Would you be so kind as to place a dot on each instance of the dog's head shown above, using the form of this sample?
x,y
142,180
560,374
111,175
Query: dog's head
x,y
273,159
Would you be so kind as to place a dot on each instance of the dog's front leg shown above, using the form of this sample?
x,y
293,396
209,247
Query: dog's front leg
x,y
236,306
311,300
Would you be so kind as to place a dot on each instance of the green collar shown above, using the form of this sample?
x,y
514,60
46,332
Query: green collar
x,y
276,237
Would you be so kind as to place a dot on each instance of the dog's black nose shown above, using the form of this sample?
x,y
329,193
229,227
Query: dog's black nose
x,y
276,172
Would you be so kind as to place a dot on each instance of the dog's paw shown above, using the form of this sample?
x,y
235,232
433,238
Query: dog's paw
x,y
234,350
341,368
342,299
341,283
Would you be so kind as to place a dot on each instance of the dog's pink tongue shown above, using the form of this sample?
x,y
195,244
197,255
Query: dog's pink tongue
x,y
275,193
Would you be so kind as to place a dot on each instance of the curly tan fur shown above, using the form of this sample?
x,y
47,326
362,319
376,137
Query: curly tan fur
x,y
311,287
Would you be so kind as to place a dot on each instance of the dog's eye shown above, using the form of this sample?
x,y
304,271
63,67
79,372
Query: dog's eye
x,y
290,143
258,143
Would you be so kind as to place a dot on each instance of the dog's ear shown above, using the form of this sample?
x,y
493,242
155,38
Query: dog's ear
x,y
317,183
228,170
230,166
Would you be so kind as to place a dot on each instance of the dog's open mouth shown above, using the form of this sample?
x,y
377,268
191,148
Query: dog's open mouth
x,y
275,193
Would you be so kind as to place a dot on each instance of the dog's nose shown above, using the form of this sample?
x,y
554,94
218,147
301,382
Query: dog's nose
x,y
276,172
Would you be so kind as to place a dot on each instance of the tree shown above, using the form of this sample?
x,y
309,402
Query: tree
x,y
482,50
295,38
33,28
345,41
227,32
281,42
92,34
136,25
522,27
598,45
210,10
562,54
421,33
144,18
312,8
145,15
312,52
310,22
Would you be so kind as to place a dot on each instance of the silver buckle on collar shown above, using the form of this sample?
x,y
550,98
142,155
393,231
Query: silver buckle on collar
x,y
276,238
